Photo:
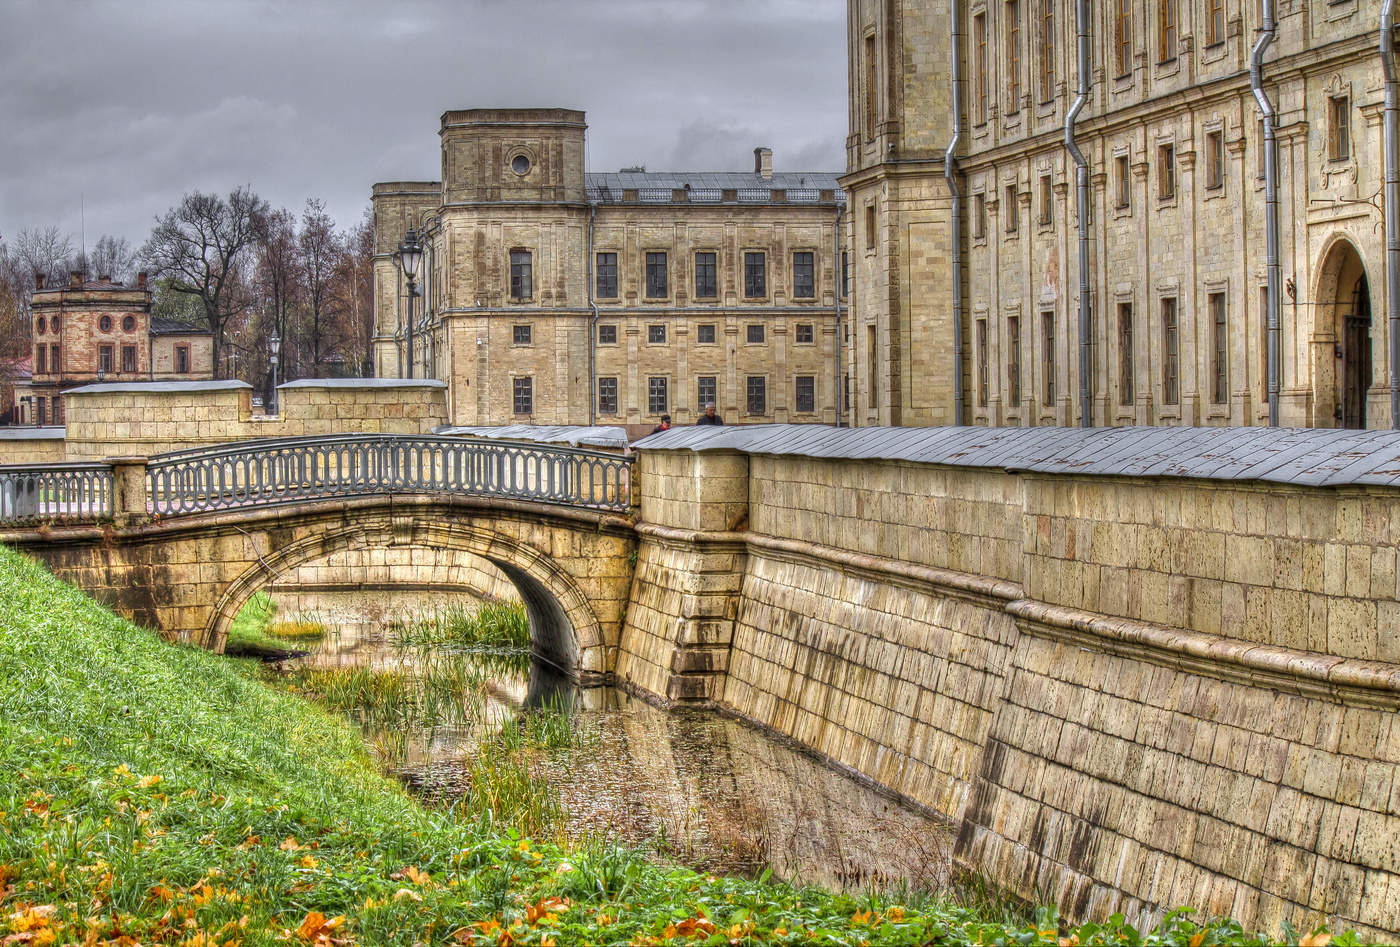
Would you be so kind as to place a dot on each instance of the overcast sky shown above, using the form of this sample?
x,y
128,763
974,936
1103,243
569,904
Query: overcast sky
x,y
131,103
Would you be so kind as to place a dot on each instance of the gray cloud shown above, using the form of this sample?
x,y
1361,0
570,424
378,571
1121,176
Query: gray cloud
x,y
131,104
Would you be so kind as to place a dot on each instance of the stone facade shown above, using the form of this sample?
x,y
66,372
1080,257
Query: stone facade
x,y
97,330
555,296
1173,139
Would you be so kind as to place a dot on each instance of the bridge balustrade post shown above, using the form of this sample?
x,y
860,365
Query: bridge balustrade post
x,y
129,497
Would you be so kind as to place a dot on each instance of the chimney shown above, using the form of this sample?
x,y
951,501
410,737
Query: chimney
x,y
763,162
38,282
141,280
75,279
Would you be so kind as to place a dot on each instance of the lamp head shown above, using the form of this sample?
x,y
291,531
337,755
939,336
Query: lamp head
x,y
410,254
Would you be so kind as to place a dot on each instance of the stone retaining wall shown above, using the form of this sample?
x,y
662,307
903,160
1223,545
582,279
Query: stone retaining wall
x,y
1128,694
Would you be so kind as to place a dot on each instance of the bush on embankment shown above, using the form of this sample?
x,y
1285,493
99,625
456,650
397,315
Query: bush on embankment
x,y
158,794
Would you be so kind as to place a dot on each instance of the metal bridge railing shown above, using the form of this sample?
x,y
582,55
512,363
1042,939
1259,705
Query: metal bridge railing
x,y
55,493
258,473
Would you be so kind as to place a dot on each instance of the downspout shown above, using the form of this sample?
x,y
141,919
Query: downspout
x,y
1392,202
1271,238
840,284
950,169
592,326
1086,408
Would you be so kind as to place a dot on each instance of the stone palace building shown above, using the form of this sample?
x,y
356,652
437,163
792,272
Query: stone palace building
x,y
91,331
1172,135
553,295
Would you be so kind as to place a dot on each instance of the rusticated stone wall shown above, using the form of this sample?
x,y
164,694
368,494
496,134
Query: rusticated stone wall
x,y
1127,694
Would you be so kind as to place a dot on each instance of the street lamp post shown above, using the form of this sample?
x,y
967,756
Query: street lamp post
x,y
410,255
275,348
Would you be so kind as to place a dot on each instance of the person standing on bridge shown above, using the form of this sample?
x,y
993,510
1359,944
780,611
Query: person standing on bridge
x,y
710,417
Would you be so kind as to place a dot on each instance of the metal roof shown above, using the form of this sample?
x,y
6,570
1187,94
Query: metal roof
x,y
22,433
163,326
1301,456
365,383
614,438
159,387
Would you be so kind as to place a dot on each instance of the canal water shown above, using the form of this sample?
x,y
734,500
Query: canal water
x,y
694,786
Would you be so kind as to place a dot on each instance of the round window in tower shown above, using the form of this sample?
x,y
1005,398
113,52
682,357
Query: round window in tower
x,y
520,164
129,324
105,323
39,326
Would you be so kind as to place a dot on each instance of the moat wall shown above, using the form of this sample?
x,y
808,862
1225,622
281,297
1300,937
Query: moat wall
x,y
1127,694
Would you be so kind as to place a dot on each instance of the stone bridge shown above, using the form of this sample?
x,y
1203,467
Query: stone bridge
x,y
180,541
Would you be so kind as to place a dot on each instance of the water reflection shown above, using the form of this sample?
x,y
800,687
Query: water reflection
x,y
696,786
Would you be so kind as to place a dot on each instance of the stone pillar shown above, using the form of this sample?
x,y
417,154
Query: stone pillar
x,y
129,498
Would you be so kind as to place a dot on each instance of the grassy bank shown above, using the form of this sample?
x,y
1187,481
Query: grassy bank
x,y
160,795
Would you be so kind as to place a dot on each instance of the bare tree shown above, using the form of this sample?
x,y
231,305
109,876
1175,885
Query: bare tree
x,y
45,251
199,247
112,256
320,250
278,272
353,288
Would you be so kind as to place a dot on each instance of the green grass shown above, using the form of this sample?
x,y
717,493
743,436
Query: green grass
x,y
459,625
256,630
168,796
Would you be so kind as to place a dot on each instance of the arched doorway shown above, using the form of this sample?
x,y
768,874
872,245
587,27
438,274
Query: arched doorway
x,y
1342,339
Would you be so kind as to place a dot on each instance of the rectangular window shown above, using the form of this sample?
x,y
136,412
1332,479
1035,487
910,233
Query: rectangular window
x,y
1264,344
845,274
1122,38
607,396
1166,172
1215,159
104,359
520,335
1126,394
607,334
1219,355
982,363
1047,200
1046,42
706,283
806,394
1261,151
804,333
1123,182
520,274
656,333
656,275
870,226
182,359
523,391
40,354
872,96
755,274
1012,213
1047,356
1339,127
1013,361
873,380
1215,22
1170,351
1166,30
1013,56
754,333
656,394
757,389
705,333
979,67
979,216
55,360
804,274
128,359
706,391
607,275
41,410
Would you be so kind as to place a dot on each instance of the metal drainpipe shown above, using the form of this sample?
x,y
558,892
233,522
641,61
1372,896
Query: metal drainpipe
x,y
950,168
1271,238
592,327
1086,408
1392,202
840,276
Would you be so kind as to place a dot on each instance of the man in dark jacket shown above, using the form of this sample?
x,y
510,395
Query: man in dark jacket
x,y
709,417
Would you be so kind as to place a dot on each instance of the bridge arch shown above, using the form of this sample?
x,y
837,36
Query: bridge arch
x,y
565,629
